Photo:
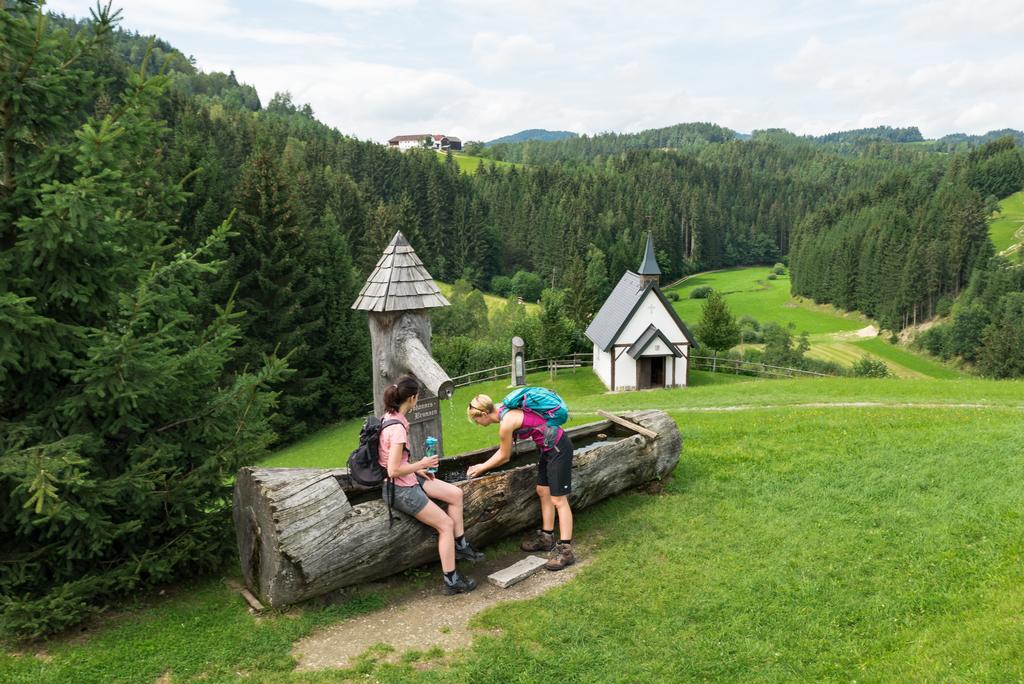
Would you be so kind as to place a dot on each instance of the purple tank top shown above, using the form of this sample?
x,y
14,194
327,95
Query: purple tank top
x,y
533,428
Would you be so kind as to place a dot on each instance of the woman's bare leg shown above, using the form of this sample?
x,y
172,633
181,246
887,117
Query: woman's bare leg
x,y
547,507
451,495
433,515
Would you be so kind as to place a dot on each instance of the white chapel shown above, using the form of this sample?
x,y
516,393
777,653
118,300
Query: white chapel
x,y
639,340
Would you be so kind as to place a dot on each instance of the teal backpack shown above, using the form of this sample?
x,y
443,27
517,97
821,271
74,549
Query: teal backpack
x,y
542,401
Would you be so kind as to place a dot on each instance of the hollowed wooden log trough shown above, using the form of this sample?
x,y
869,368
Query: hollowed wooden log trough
x,y
304,532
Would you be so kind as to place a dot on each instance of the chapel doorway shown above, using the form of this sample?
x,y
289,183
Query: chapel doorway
x,y
651,372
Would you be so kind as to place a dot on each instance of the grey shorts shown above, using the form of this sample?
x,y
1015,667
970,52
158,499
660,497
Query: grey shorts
x,y
409,500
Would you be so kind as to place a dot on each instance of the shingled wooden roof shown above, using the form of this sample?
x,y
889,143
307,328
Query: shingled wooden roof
x,y
399,282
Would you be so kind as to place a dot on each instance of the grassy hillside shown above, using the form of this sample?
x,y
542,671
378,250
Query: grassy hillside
x,y
470,164
749,292
493,302
832,332
830,529
1006,227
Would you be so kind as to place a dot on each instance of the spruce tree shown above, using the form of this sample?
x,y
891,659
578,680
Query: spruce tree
x,y
121,421
579,302
556,328
277,271
718,330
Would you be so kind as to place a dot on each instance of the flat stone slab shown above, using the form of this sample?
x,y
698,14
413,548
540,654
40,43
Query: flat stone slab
x,y
517,572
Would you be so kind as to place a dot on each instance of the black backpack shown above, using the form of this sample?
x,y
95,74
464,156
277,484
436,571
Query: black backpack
x,y
364,463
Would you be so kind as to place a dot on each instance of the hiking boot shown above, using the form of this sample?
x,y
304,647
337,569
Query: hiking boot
x,y
467,552
540,541
561,558
458,585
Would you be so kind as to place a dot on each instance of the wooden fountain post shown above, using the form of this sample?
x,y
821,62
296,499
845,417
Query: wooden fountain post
x,y
397,296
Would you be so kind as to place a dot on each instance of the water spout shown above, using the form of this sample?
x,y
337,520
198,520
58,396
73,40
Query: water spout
x,y
420,363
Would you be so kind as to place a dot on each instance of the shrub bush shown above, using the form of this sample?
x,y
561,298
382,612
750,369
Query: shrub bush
x,y
779,269
933,340
750,336
868,367
748,321
501,285
672,296
701,292
772,276
527,285
459,354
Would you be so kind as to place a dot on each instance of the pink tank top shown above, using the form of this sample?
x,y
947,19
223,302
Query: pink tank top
x,y
395,434
533,428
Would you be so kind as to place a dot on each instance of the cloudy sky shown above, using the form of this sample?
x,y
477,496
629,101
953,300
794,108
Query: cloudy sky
x,y
480,69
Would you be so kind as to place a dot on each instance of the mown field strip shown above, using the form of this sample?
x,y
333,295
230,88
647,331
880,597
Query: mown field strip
x,y
847,353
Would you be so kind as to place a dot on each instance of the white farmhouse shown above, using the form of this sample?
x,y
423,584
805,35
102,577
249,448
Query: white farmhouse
x,y
639,340
438,141
408,142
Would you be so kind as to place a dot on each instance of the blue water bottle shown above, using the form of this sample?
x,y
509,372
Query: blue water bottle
x,y
431,444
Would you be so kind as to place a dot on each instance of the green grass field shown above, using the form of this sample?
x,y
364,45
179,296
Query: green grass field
x,y
901,362
749,292
1006,227
825,529
470,164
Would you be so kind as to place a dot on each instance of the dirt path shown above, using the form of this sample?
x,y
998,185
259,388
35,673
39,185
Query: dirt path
x,y
425,617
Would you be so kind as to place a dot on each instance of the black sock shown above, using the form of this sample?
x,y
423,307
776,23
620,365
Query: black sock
x,y
565,541
551,531
450,576
460,540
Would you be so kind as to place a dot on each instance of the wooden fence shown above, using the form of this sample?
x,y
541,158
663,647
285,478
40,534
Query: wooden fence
x,y
569,362
741,367
585,359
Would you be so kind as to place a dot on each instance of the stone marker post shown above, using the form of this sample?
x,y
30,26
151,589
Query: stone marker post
x,y
518,362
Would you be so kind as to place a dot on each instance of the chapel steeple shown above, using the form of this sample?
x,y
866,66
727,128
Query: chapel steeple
x,y
649,271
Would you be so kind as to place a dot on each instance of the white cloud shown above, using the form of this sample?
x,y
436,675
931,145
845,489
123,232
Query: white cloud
x,y
360,5
494,51
155,12
212,17
957,20
978,114
483,68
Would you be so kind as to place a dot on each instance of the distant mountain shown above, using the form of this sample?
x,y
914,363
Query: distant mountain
x,y
533,134
686,137
888,133
953,141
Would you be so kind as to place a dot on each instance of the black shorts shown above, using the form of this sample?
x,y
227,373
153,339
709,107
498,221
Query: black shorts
x,y
554,470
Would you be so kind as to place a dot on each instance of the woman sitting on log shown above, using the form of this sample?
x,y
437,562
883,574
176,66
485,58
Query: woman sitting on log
x,y
554,473
414,487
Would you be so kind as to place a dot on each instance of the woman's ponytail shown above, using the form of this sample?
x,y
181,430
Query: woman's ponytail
x,y
396,394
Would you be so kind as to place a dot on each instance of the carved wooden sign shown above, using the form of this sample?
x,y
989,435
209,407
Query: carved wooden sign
x,y
424,421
